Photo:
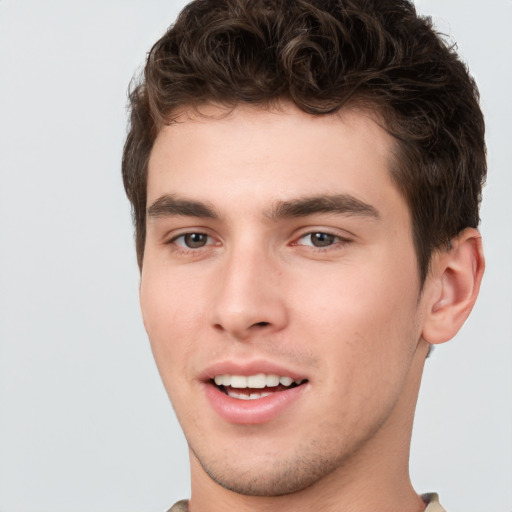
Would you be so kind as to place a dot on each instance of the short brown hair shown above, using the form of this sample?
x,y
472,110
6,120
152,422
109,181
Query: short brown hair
x,y
323,55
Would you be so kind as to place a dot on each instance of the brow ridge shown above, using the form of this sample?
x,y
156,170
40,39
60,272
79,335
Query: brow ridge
x,y
345,204
169,205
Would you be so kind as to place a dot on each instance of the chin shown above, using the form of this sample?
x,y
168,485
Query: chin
x,y
272,476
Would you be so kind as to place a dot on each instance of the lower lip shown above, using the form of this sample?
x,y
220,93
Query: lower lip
x,y
251,412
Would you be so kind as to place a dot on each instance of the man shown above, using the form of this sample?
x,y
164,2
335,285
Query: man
x,y
305,179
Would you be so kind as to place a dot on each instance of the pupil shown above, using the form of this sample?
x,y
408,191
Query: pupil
x,y
322,239
194,240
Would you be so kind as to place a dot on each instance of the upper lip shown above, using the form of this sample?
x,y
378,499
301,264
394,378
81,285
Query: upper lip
x,y
249,368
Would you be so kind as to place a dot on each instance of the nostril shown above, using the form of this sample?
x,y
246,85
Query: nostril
x,y
261,324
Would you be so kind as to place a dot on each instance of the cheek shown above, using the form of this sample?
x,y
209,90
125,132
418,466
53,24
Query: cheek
x,y
169,299
366,320
169,319
161,306
365,337
357,299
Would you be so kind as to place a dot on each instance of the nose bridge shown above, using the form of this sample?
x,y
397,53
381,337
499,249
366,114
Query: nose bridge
x,y
248,298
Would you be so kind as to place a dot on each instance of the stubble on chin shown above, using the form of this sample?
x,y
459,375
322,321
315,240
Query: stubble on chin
x,y
275,476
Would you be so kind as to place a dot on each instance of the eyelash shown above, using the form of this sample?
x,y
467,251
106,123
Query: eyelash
x,y
336,240
183,248
335,243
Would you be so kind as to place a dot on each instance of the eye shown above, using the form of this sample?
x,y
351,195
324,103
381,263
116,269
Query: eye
x,y
192,240
319,239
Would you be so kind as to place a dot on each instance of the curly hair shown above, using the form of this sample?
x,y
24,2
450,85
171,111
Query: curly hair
x,y
324,55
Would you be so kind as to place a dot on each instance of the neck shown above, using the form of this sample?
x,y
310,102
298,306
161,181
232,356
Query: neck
x,y
374,477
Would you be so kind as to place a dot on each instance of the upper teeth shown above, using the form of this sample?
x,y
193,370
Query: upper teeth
x,y
260,380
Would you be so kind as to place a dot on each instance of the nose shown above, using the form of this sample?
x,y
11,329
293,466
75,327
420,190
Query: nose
x,y
250,298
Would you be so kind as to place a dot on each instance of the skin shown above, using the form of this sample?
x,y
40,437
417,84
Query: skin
x,y
348,316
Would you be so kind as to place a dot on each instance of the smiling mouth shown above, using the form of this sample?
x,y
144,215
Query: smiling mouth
x,y
254,387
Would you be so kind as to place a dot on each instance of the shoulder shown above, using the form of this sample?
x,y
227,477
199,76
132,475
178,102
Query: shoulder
x,y
180,506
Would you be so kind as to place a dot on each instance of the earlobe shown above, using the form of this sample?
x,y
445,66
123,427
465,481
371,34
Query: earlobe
x,y
454,284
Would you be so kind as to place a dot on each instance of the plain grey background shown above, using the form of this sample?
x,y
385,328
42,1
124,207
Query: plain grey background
x,y
85,425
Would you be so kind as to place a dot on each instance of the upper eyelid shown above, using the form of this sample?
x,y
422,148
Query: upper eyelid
x,y
173,238
337,238
327,231
176,233
180,248
342,234
337,232
185,233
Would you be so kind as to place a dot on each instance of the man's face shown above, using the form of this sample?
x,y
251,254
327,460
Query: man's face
x,y
279,250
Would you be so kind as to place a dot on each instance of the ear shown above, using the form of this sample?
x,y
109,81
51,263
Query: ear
x,y
453,285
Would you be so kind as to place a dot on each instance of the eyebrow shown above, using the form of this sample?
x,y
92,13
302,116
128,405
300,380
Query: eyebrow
x,y
169,205
345,204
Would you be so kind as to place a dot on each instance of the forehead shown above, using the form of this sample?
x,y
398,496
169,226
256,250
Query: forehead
x,y
260,147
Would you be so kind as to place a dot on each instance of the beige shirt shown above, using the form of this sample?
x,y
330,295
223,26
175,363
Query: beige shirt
x,y
431,498
433,502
